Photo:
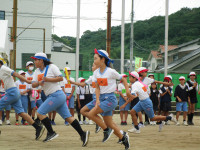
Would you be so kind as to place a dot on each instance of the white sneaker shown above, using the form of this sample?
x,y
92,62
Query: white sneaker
x,y
161,126
141,125
134,130
85,122
151,123
177,123
1,122
185,123
80,122
8,122
167,123
173,118
90,122
154,122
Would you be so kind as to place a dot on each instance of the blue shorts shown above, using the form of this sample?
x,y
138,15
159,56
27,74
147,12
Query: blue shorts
x,y
24,101
121,102
108,103
55,102
38,103
12,98
181,106
71,101
145,105
92,104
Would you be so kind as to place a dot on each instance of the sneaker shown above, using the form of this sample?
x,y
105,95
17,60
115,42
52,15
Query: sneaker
x,y
85,138
53,123
50,136
37,121
192,123
97,129
134,130
173,119
140,125
185,123
80,122
66,123
124,134
90,122
146,123
8,122
107,134
167,123
39,132
85,122
17,123
161,126
1,122
25,123
177,123
125,142
125,123
122,123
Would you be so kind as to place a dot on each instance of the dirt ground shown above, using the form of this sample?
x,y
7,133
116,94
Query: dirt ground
x,y
171,138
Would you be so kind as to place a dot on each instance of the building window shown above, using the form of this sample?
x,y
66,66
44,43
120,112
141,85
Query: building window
x,y
2,15
175,57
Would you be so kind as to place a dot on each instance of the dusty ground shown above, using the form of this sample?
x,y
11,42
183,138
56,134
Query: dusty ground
x,y
171,138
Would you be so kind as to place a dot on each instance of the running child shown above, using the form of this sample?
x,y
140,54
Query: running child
x,y
105,80
48,76
182,99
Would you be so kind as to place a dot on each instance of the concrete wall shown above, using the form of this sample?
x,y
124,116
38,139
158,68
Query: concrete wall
x,y
39,14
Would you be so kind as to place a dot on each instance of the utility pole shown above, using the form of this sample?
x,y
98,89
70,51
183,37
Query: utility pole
x,y
44,40
132,37
122,36
13,38
166,35
108,40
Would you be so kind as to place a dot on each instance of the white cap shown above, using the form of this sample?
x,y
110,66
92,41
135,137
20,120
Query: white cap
x,y
67,68
169,76
81,79
192,73
142,69
150,75
134,74
21,72
40,56
181,78
28,63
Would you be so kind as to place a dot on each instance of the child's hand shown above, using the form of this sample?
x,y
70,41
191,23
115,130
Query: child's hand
x,y
122,107
195,84
179,100
69,81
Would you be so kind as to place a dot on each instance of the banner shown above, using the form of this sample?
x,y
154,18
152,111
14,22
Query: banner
x,y
138,63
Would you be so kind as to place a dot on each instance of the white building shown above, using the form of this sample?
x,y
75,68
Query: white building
x,y
36,16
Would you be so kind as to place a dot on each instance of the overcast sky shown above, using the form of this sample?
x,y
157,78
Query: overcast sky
x,y
93,13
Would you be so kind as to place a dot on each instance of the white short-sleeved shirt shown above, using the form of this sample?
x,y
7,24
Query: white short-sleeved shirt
x,y
93,87
141,90
121,88
6,77
22,86
106,80
29,77
2,87
67,87
81,92
148,82
49,87
165,89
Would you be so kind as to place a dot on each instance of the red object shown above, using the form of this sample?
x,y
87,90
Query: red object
x,y
95,51
145,70
167,78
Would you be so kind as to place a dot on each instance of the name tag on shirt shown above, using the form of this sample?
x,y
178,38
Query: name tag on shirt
x,y
40,77
144,88
93,85
68,85
21,86
102,81
30,78
82,97
123,91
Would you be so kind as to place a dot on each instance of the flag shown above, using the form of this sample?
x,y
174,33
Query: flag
x,y
138,63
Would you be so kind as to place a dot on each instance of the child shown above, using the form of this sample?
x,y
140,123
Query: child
x,y
140,89
48,76
81,102
154,97
182,99
7,108
12,97
29,76
122,100
68,89
24,88
105,80
165,99
193,89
